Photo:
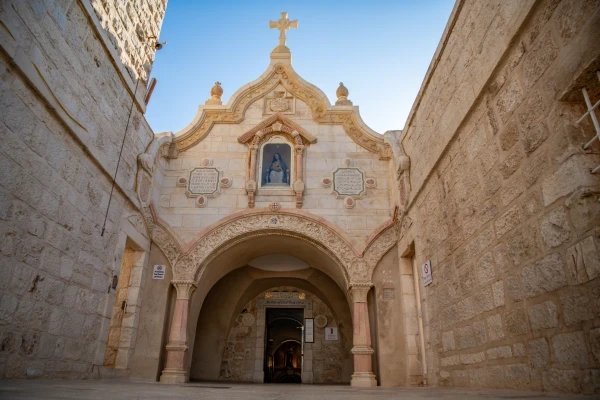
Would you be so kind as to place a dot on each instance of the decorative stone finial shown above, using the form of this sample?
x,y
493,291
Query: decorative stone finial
x,y
215,94
342,95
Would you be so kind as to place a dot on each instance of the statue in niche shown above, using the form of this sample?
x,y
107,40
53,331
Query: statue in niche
x,y
276,158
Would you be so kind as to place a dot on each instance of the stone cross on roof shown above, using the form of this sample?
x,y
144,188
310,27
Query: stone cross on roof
x,y
283,25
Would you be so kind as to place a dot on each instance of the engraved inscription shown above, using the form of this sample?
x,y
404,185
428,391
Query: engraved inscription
x,y
203,181
285,295
348,182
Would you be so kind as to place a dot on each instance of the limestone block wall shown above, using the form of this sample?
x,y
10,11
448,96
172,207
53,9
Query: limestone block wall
x,y
64,105
128,25
504,204
321,158
323,357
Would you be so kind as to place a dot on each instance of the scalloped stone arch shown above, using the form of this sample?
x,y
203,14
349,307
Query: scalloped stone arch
x,y
272,232
245,225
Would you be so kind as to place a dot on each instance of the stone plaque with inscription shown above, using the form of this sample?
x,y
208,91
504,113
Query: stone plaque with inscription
x,y
203,181
348,182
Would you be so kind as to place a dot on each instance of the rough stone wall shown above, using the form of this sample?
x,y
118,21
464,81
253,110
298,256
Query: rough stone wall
x,y
240,353
504,204
64,106
129,24
321,158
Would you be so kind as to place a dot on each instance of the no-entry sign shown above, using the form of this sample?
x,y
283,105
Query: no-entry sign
x,y
426,273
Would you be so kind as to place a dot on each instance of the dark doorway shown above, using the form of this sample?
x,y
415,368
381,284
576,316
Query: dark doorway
x,y
284,345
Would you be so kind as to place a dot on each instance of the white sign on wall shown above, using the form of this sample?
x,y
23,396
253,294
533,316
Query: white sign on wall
x,y
331,333
159,272
309,330
203,181
426,273
348,182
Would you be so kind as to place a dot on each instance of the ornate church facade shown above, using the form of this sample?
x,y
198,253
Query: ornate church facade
x,y
277,238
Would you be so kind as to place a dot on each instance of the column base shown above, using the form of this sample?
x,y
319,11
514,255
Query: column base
x,y
363,379
174,376
307,377
258,377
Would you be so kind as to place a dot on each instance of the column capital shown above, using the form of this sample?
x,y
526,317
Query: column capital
x,y
359,291
184,288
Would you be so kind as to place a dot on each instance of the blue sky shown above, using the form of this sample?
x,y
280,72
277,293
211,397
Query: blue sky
x,y
380,49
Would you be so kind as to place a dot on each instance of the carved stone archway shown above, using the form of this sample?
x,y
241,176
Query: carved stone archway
x,y
245,225
356,268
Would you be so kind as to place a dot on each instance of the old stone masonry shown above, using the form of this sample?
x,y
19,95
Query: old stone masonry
x,y
279,239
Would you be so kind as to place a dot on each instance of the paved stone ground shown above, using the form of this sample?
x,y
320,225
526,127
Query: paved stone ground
x,y
134,390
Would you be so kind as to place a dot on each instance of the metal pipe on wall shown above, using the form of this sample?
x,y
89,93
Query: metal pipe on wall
x,y
420,318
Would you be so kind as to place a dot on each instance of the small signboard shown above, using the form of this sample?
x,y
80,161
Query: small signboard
x,y
309,330
331,333
159,272
426,273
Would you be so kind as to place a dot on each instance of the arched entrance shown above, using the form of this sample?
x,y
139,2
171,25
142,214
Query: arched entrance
x,y
234,344
236,240
231,339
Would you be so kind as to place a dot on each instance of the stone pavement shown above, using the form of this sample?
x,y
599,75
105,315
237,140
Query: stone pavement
x,y
134,390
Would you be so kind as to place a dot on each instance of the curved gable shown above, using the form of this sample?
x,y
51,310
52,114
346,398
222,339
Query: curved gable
x,y
281,74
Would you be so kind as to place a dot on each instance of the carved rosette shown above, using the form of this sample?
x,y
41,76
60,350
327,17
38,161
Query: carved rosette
x,y
182,181
349,202
201,201
226,182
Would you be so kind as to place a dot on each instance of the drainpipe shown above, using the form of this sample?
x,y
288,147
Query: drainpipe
x,y
420,318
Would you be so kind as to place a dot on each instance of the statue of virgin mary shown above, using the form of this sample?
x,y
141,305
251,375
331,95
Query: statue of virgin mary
x,y
277,174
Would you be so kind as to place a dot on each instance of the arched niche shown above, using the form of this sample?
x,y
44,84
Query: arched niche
x,y
215,328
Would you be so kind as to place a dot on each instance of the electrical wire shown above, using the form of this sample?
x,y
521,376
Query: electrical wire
x,y
120,154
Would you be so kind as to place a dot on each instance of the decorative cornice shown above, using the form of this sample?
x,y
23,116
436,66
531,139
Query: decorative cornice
x,y
279,74
287,126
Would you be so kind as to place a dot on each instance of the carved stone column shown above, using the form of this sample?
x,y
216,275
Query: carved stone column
x,y
299,183
251,182
363,366
175,368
